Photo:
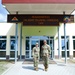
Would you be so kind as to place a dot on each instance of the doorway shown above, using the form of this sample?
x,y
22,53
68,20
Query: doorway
x,y
31,42
41,43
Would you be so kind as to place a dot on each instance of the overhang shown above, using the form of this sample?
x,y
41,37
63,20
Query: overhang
x,y
39,6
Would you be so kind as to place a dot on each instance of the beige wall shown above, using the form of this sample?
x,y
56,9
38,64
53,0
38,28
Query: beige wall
x,y
8,29
39,30
36,31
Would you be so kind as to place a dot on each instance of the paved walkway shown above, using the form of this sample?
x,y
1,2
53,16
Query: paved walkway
x,y
54,69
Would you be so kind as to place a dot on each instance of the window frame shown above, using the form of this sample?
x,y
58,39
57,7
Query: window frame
x,y
3,50
64,53
6,42
73,38
62,38
12,38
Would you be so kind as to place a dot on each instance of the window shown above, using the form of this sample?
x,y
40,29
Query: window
x,y
63,53
2,53
73,46
67,42
73,37
27,37
63,46
52,44
73,53
12,42
73,42
12,47
51,37
27,44
27,54
3,42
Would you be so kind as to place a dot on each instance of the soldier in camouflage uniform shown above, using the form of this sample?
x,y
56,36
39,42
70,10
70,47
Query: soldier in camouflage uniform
x,y
35,54
46,54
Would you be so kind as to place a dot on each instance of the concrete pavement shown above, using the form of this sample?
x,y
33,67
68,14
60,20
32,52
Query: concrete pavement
x,y
54,69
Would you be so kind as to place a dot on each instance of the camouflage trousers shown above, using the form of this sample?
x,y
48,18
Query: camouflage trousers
x,y
46,61
36,61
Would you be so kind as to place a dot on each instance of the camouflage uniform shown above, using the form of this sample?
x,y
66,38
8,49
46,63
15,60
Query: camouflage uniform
x,y
35,54
45,55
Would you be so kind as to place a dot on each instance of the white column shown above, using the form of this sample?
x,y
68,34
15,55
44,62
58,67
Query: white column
x,y
70,47
16,41
19,40
8,47
23,46
18,45
56,48
59,43
56,44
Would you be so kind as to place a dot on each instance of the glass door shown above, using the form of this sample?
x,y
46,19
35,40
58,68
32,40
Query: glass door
x,y
52,48
33,43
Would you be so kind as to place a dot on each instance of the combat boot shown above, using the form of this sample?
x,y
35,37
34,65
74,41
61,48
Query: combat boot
x,y
45,69
36,68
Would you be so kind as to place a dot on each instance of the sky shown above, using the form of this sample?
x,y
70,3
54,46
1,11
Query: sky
x,y
3,13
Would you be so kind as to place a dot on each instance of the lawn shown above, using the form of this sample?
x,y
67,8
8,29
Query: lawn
x,y
4,65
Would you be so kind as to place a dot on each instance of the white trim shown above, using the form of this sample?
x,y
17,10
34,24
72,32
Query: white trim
x,y
2,58
2,50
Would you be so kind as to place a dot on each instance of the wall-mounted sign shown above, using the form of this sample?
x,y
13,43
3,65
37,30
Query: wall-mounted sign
x,y
40,20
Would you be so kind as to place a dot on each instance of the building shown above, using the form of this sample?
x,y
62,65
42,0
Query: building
x,y
32,34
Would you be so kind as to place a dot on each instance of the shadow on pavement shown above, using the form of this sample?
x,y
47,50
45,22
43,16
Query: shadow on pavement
x,y
61,64
30,68
40,62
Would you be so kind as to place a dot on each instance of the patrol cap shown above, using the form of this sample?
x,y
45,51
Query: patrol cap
x,y
36,43
44,41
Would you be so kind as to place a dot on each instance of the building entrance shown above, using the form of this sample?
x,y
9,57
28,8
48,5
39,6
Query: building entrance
x,y
31,42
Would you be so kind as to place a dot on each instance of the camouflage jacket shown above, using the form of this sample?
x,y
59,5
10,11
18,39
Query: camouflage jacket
x,y
46,50
35,51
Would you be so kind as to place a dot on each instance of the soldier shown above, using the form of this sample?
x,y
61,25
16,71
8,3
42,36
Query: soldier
x,y
46,54
35,54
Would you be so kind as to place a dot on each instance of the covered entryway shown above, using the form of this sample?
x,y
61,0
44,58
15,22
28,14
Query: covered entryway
x,y
39,7
30,43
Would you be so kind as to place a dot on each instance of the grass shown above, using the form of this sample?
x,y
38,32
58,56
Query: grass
x,y
72,60
4,65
